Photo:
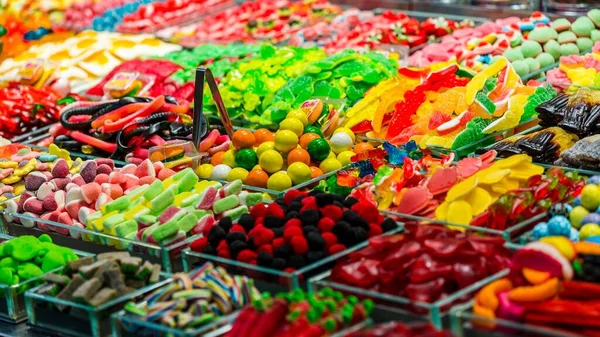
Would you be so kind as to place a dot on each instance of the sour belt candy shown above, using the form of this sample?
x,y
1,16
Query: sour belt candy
x,y
192,300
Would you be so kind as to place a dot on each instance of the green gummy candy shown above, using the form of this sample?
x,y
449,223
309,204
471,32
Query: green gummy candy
x,y
251,199
146,219
187,222
226,203
165,230
163,200
25,248
485,102
149,231
191,200
9,262
125,228
177,176
490,84
52,260
28,271
6,276
118,204
154,190
45,238
113,220
187,182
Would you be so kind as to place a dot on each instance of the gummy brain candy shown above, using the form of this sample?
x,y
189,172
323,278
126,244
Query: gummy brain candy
x,y
445,106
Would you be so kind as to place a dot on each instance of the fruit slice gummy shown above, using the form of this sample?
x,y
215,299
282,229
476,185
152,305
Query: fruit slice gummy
x,y
459,212
492,176
462,189
479,200
513,161
478,81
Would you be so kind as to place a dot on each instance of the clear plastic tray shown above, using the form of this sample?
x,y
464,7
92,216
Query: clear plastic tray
x,y
89,241
436,313
267,279
81,320
465,323
12,298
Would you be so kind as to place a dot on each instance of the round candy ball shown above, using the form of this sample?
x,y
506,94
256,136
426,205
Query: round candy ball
x,y
588,230
594,180
300,115
340,142
264,147
238,173
270,161
577,215
258,178
345,157
292,124
285,140
299,173
306,138
592,218
330,164
574,235
229,158
559,225
246,158
539,231
313,129
263,135
204,171
346,131
590,197
279,181
298,155
243,139
220,172
318,149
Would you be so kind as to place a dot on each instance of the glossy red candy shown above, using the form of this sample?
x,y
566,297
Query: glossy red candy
x,y
424,264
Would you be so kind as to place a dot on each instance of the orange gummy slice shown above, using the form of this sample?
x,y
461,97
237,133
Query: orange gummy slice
x,y
535,276
488,296
535,293
487,314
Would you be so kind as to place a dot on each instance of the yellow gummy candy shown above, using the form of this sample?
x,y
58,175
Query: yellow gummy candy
x,y
512,161
525,171
511,118
462,189
506,185
492,176
19,188
441,212
10,179
479,200
181,197
8,164
459,212
131,213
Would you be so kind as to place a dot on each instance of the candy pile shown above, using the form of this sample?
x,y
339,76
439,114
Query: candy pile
x,y
84,58
27,257
448,108
16,32
167,211
123,129
399,329
424,265
577,70
248,89
309,314
551,284
24,108
153,16
80,14
345,75
356,29
18,161
202,297
581,222
566,117
97,280
530,44
296,153
294,231
538,195
263,20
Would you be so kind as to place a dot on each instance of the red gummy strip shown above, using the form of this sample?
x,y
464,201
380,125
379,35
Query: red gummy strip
x,y
95,142
117,114
110,126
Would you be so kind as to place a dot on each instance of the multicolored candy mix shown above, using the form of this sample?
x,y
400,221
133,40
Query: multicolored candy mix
x,y
551,284
309,314
192,300
358,29
577,70
447,108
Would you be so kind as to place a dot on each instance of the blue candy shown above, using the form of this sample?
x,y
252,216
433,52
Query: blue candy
x,y
594,180
559,225
395,155
574,236
540,230
577,201
593,239
591,218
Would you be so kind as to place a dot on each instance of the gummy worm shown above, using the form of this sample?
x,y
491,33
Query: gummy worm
x,y
83,138
81,109
118,113
535,293
110,126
